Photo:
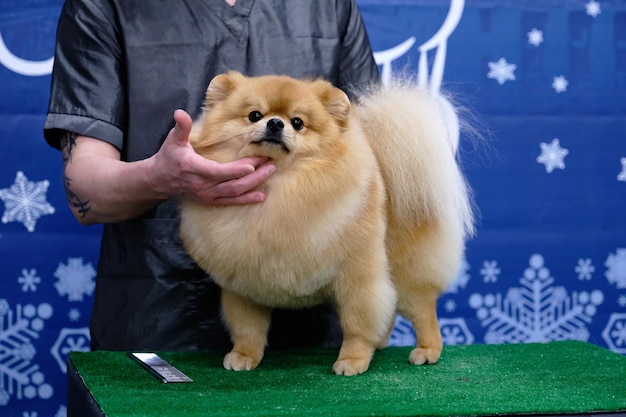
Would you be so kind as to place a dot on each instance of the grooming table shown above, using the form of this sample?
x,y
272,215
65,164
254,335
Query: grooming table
x,y
556,378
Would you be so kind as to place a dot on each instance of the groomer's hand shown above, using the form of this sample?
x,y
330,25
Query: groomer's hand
x,y
179,171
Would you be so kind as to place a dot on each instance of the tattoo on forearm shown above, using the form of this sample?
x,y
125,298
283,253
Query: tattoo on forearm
x,y
82,206
68,144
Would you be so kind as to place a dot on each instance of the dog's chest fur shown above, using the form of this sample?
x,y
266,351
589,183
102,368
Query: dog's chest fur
x,y
279,253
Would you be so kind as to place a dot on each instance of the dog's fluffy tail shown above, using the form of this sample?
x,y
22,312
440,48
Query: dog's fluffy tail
x,y
412,133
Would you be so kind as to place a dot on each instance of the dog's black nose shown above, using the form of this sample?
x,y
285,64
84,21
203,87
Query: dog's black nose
x,y
275,125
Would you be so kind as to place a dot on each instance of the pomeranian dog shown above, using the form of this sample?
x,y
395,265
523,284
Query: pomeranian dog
x,y
367,210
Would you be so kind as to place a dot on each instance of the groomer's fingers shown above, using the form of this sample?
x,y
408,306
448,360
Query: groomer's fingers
x,y
182,128
218,172
248,198
238,191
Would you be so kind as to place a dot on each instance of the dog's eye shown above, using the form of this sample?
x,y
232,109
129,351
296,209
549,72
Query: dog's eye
x,y
297,123
255,116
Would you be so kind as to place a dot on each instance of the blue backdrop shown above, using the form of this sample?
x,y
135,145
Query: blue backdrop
x,y
546,82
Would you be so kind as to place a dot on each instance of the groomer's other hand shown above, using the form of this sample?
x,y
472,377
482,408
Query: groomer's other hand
x,y
177,170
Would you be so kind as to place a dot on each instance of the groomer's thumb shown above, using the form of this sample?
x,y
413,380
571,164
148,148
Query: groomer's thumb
x,y
180,132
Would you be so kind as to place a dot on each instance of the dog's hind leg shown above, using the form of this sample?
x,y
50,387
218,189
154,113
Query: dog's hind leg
x,y
422,267
421,310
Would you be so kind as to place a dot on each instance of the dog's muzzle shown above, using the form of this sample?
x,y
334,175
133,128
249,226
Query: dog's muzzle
x,y
274,134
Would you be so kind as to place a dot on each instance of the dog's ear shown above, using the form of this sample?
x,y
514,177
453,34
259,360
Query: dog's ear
x,y
221,86
335,100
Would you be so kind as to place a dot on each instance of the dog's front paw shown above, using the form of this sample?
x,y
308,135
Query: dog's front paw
x,y
235,361
422,356
350,367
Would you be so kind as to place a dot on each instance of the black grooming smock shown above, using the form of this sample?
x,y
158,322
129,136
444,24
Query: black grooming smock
x,y
121,69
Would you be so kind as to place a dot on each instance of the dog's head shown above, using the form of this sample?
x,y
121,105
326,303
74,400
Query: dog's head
x,y
274,116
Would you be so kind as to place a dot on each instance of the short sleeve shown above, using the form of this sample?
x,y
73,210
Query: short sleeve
x,y
358,68
87,94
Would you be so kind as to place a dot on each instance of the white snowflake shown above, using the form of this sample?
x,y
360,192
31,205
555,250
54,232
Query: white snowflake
x,y
535,37
593,8
560,84
61,412
455,332
614,334
450,306
461,280
622,175
29,280
552,155
75,279
621,301
25,201
584,269
616,268
18,375
70,340
490,271
619,334
74,314
452,336
501,71
537,311
78,344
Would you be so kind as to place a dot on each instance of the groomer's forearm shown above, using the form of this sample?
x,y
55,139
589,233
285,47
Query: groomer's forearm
x,y
102,189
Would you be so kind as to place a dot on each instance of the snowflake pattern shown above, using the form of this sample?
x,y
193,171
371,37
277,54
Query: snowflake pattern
x,y
402,334
449,306
614,334
559,84
616,268
622,175
490,271
70,340
593,8
537,311
74,314
619,334
19,377
501,71
454,331
451,336
584,269
552,155
25,201
535,37
75,279
61,412
29,280
621,301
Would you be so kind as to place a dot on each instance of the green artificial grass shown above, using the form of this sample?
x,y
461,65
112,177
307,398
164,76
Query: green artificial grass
x,y
536,378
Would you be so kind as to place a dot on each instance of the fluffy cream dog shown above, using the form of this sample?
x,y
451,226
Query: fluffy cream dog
x,y
367,209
